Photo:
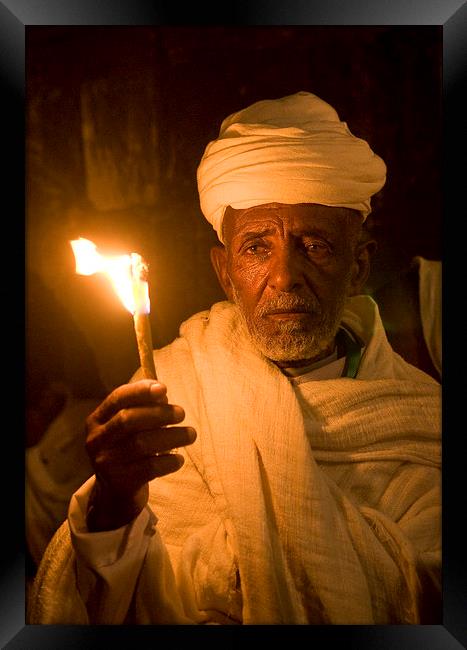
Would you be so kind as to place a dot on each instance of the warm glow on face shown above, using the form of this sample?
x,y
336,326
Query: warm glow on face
x,y
126,272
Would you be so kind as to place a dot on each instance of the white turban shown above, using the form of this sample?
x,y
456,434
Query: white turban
x,y
289,150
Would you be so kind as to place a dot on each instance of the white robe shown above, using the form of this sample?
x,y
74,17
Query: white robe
x,y
430,289
316,503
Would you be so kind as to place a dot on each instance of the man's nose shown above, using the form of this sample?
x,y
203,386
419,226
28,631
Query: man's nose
x,y
285,273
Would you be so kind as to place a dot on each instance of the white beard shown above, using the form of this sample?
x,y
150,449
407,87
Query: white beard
x,y
292,340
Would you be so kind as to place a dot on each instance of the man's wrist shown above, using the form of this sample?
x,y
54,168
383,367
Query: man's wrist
x,y
108,510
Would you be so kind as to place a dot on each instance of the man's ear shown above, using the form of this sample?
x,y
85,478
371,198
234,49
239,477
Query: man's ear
x,y
361,266
219,262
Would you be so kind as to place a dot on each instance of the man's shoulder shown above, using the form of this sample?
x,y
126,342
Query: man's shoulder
x,y
194,325
223,307
219,316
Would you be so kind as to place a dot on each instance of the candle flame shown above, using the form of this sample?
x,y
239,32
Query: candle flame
x,y
128,273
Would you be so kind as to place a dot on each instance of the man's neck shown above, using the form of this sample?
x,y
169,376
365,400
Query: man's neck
x,y
299,363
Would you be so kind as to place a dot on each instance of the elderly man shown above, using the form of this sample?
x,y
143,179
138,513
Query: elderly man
x,y
303,486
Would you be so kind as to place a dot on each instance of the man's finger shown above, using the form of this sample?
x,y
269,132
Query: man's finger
x,y
138,419
145,444
138,393
154,466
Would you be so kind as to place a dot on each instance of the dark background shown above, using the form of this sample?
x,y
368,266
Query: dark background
x,y
117,121
448,18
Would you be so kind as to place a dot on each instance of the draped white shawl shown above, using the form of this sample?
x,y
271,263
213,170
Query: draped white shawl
x,y
329,493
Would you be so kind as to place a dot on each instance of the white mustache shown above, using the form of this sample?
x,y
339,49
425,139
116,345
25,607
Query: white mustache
x,y
287,302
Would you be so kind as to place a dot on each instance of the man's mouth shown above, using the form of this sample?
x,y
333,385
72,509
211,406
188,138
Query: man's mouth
x,y
291,312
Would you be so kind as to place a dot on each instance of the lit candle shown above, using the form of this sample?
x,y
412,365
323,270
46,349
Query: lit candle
x,y
129,276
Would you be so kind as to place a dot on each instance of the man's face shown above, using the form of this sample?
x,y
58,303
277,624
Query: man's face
x,y
290,269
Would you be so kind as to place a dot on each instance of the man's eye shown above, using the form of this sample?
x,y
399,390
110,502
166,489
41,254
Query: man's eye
x,y
317,248
256,249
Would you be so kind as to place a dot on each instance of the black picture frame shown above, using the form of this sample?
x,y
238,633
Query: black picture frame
x,y
15,16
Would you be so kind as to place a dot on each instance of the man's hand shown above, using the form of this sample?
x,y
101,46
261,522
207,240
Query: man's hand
x,y
128,442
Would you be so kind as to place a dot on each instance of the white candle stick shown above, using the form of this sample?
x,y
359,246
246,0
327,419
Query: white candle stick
x,y
139,272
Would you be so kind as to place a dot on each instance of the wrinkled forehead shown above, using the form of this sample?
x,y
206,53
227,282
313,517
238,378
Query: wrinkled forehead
x,y
298,217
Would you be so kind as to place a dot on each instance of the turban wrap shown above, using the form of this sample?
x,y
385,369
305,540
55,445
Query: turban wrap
x,y
289,150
